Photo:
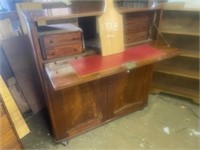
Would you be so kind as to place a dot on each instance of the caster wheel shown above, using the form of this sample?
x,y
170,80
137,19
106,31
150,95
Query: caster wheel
x,y
64,143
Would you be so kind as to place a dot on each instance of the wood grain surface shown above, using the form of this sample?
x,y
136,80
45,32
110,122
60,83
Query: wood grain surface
x,y
111,30
20,59
77,9
61,74
14,113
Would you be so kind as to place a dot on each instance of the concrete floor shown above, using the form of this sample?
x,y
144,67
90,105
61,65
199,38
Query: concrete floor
x,y
167,122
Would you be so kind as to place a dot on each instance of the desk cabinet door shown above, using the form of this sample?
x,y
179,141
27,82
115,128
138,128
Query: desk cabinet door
x,y
128,91
76,109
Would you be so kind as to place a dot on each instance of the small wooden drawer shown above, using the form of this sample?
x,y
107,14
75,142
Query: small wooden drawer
x,y
130,38
61,45
64,50
136,27
49,41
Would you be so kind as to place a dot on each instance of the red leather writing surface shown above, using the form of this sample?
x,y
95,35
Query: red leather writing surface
x,y
96,63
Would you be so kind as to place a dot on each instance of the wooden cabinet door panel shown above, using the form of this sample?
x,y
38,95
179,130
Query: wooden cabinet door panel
x,y
82,106
75,109
128,91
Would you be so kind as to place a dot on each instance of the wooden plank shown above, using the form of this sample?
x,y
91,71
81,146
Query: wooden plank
x,y
8,136
17,95
111,30
20,59
7,31
181,32
190,53
175,90
6,72
16,117
189,73
27,6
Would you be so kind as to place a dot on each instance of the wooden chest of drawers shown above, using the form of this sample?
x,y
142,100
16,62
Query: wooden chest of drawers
x,y
61,44
137,26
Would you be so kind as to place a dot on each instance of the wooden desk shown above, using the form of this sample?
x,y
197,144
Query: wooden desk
x,y
80,102
91,100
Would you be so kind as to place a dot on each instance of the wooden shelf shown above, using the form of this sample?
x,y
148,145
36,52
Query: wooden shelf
x,y
183,42
183,9
192,33
176,90
128,10
175,84
179,6
177,71
57,13
183,23
77,9
190,53
137,43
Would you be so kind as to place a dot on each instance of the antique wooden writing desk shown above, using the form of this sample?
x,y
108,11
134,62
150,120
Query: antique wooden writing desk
x,y
87,90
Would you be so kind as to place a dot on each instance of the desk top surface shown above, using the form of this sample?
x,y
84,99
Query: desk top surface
x,y
70,72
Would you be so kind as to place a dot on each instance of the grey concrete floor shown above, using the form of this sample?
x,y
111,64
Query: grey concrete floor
x,y
168,122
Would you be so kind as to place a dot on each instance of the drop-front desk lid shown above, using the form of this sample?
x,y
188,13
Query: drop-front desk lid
x,y
70,72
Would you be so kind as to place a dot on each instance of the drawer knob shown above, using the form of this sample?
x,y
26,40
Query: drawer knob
x,y
51,41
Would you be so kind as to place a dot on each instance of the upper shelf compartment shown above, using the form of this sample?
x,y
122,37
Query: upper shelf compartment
x,y
184,22
183,6
126,6
76,9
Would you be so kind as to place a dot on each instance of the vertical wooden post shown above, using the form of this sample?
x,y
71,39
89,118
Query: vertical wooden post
x,y
111,30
